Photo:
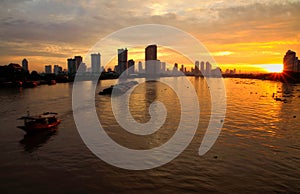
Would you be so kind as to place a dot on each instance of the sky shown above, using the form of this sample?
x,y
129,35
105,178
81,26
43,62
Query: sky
x,y
248,35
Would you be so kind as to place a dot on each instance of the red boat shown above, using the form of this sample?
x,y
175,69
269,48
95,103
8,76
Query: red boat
x,y
45,121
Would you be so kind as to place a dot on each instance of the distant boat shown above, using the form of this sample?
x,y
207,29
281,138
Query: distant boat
x,y
119,88
45,121
11,84
51,82
30,84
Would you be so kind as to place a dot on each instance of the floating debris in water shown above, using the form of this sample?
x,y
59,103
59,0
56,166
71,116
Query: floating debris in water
x,y
281,100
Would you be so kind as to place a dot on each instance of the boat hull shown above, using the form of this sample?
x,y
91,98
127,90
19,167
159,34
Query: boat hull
x,y
119,89
39,128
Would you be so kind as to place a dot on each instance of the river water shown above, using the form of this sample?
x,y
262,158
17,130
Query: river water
x,y
258,150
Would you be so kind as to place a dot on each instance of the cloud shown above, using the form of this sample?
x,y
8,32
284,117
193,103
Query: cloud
x,y
222,53
221,25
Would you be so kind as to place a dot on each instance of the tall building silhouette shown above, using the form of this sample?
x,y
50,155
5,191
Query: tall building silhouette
x,y
140,67
158,67
151,64
122,60
78,60
151,52
202,67
208,68
57,69
96,62
197,67
71,67
48,69
163,67
182,68
175,68
291,62
83,67
25,64
130,67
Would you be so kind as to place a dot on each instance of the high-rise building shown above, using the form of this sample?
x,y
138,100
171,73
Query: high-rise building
x,y
48,69
151,63
151,52
130,67
57,69
25,64
78,60
202,67
163,67
96,62
122,60
182,68
158,67
291,62
71,67
197,67
140,67
208,68
175,68
83,67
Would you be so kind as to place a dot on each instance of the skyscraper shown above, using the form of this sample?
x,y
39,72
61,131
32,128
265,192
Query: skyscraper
x,y
151,60
122,60
96,62
151,52
208,68
57,69
78,60
202,67
163,67
71,67
25,64
83,67
130,67
158,67
182,68
175,68
197,67
141,70
291,62
48,69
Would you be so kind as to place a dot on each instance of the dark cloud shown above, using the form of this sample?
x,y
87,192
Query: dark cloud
x,y
80,24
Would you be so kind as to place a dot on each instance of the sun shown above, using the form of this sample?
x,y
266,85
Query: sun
x,y
273,68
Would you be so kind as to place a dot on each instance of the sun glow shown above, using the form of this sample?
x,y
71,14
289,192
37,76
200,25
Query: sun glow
x,y
273,68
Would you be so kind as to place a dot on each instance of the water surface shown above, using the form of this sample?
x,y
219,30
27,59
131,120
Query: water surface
x,y
258,150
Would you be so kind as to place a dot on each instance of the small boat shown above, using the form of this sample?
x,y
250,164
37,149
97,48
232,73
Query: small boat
x,y
45,121
30,84
119,88
51,82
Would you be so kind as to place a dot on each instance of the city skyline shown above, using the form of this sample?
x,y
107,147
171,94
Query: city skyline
x,y
246,35
290,64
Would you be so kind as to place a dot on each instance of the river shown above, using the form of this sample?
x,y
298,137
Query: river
x,y
258,150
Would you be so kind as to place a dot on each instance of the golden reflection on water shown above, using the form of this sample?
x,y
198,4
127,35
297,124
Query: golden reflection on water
x,y
141,98
254,120
257,151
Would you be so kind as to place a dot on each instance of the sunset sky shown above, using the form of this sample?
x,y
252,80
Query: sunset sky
x,y
249,35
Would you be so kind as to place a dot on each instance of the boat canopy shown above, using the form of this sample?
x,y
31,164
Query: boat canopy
x,y
43,116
